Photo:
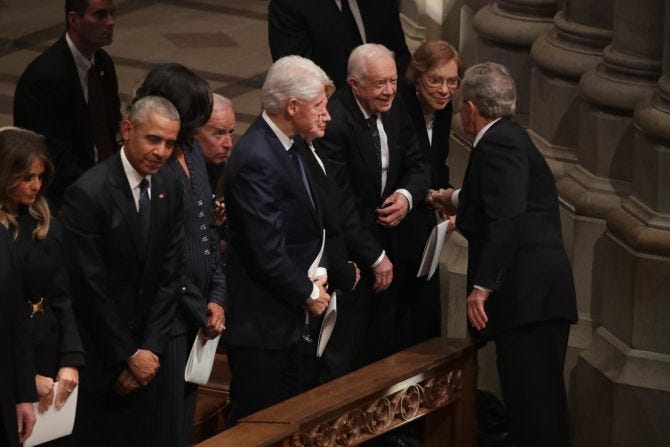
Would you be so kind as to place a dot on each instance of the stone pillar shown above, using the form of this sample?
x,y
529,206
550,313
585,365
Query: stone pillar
x,y
560,57
468,36
622,380
596,186
430,20
506,30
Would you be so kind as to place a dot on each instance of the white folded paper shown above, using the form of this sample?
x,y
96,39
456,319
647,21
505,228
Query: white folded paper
x,y
54,424
432,250
200,360
327,325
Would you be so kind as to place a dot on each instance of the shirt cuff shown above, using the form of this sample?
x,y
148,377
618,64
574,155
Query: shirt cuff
x,y
379,259
315,292
454,197
407,195
482,288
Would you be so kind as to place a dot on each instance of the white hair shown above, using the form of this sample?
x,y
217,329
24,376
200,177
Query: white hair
x,y
362,55
140,109
293,77
221,102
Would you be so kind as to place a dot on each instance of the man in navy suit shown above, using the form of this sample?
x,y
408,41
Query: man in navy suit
x,y
276,234
123,221
69,94
521,292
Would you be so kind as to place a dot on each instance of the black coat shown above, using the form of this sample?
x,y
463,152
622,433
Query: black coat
x,y
275,235
316,30
49,100
54,334
123,295
349,148
508,211
17,373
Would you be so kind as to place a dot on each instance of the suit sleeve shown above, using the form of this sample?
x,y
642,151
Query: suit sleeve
x,y
171,280
260,222
415,169
503,183
38,105
287,30
83,219
71,351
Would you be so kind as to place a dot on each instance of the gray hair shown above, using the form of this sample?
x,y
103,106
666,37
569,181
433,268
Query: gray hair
x,y
293,77
490,87
140,109
364,54
221,102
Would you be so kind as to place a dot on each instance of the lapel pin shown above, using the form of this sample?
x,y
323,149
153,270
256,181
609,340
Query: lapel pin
x,y
102,73
161,196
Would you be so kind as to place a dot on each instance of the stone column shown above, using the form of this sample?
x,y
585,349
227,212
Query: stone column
x,y
622,380
507,29
430,20
560,57
596,186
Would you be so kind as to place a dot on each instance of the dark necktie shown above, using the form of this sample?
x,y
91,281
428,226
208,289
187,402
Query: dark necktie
x,y
372,123
300,169
98,115
144,211
350,22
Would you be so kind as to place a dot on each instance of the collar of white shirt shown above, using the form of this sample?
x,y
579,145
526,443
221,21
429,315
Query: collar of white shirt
x,y
284,139
81,63
483,130
134,177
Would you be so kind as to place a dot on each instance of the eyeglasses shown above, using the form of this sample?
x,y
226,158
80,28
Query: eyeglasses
x,y
435,82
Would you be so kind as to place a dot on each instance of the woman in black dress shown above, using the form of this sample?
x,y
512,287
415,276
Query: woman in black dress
x,y
432,79
25,170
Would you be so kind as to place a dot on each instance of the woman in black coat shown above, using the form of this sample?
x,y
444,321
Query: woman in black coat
x,y
432,80
25,170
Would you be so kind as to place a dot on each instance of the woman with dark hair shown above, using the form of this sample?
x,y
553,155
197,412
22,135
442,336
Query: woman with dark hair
x,y
432,79
200,305
25,172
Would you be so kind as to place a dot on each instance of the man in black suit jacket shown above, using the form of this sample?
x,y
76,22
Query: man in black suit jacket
x,y
326,31
123,220
520,287
276,234
17,383
372,148
69,94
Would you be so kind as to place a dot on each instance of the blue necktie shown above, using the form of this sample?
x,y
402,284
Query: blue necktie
x,y
144,211
293,154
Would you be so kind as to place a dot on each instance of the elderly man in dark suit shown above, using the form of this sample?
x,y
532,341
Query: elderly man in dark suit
x,y
520,287
372,147
69,94
124,228
17,383
276,234
326,31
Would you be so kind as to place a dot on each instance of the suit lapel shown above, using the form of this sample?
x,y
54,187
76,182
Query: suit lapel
x,y
363,138
394,153
303,150
158,209
120,191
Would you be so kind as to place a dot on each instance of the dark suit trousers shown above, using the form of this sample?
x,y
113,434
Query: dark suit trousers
x,y
173,402
530,362
261,378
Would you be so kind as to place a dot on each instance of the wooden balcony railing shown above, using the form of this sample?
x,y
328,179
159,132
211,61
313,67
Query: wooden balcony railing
x,y
435,380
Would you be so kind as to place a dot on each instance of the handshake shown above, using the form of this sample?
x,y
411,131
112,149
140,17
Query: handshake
x,y
444,202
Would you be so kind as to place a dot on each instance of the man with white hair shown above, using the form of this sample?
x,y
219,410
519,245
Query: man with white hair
x,y
377,162
276,233
216,138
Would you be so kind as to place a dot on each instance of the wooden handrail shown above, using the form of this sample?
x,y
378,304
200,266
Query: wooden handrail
x,y
435,379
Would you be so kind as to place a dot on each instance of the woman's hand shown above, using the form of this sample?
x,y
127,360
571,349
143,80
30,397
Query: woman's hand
x,y
68,379
45,392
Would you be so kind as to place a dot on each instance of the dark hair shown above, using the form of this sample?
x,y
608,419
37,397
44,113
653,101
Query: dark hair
x,y
76,6
429,54
18,149
189,93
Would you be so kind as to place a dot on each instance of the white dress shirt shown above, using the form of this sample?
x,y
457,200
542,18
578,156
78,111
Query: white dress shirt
x,y
134,179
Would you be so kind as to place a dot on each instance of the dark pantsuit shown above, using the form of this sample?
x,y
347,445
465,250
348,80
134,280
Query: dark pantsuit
x,y
262,377
172,422
530,362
